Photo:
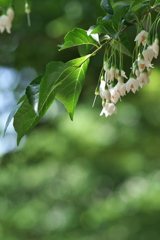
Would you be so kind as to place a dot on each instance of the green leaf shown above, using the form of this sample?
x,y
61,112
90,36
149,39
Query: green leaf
x,y
32,92
108,24
84,49
25,119
11,115
118,3
136,4
48,84
99,29
106,6
77,37
57,76
131,16
124,44
156,3
141,10
95,36
119,14
69,91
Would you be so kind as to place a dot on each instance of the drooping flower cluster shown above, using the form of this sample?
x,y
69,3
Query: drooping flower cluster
x,y
114,83
6,21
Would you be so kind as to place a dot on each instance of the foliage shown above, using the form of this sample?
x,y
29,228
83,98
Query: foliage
x,y
64,81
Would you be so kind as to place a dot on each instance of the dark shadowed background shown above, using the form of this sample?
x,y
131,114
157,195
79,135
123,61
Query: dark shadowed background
x,y
93,178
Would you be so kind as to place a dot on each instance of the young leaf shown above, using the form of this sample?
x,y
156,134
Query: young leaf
x,y
68,92
77,37
106,6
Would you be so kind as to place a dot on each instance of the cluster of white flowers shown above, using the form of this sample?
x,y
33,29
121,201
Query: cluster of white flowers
x,y
6,21
114,83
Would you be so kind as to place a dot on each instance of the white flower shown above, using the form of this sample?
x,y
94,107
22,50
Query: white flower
x,y
155,47
141,38
114,95
149,71
105,66
121,88
143,79
119,74
142,64
116,73
137,72
132,85
5,24
107,76
123,74
105,94
112,72
10,14
108,109
148,54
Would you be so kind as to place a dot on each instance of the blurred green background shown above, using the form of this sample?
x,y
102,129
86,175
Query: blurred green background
x,y
93,178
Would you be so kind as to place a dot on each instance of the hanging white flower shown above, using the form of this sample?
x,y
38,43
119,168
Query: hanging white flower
x,y
121,89
137,72
108,109
142,64
132,85
142,37
112,73
155,47
5,23
119,75
114,95
143,79
148,54
105,65
104,93
10,14
107,76
148,71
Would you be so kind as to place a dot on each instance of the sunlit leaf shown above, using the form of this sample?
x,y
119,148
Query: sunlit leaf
x,y
48,84
69,91
32,92
99,29
78,37
59,76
